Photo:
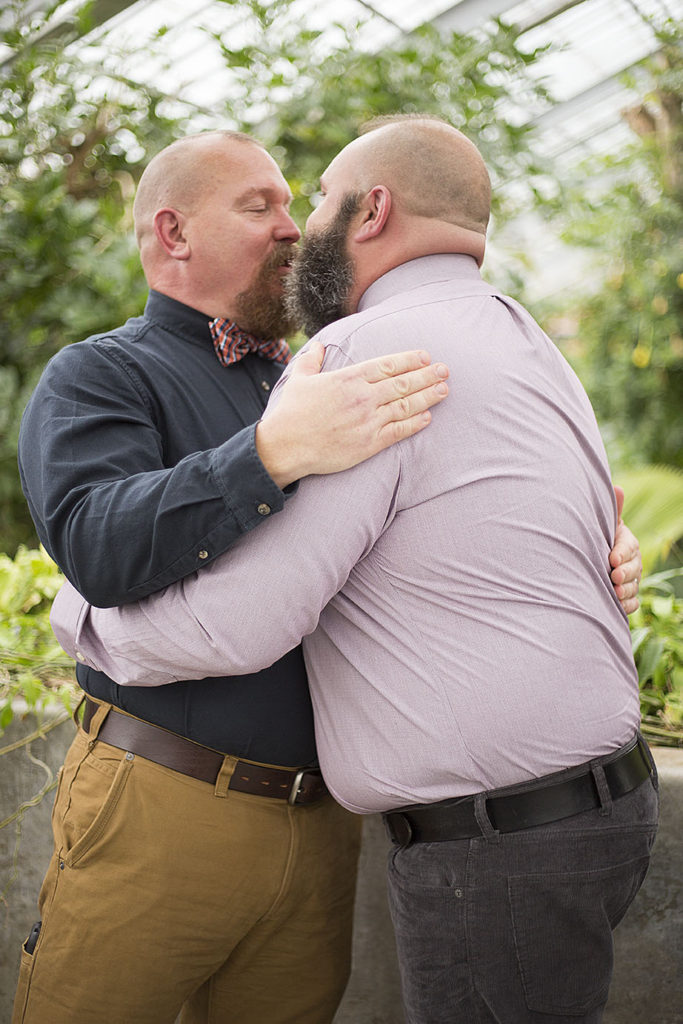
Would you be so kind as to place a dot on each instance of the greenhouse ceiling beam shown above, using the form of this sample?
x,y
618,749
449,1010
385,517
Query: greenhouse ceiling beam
x,y
470,14
66,28
607,89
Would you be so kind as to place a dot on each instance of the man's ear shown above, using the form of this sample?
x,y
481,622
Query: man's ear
x,y
168,228
375,210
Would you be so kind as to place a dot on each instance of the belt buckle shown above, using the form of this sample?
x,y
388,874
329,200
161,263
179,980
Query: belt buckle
x,y
296,786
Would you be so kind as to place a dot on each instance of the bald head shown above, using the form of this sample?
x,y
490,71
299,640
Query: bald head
x,y
214,231
407,188
431,168
180,176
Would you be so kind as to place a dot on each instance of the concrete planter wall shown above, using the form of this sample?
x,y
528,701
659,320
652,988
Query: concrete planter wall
x,y
648,979
21,780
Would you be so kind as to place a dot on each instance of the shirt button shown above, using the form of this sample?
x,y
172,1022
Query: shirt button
x,y
263,509
202,554
81,657
265,385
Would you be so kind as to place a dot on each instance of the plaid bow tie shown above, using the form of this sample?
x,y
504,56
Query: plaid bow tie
x,y
232,343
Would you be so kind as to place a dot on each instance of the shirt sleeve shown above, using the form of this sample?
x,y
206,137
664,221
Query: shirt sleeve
x,y
118,521
254,603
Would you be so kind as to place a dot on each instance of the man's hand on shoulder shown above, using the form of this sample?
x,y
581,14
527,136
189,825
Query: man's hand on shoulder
x,y
327,422
627,565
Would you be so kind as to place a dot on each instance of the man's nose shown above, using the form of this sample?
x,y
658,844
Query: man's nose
x,y
286,229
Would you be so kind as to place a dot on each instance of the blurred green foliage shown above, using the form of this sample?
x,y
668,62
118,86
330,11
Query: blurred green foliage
x,y
653,509
627,210
657,641
32,664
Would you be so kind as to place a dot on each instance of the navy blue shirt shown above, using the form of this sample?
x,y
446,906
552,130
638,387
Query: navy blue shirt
x,y
138,461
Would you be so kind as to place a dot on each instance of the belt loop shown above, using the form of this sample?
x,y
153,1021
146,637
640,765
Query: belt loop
x,y
224,776
491,834
97,721
76,710
598,773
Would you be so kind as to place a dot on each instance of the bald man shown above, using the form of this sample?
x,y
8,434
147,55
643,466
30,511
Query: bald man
x,y
469,663
198,858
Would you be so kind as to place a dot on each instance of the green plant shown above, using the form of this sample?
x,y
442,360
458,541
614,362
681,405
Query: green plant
x,y
32,664
657,638
653,509
623,334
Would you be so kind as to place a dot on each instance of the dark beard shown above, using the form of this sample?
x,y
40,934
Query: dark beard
x,y
317,290
261,311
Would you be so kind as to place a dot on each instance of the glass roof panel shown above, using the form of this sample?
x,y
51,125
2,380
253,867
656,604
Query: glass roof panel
x,y
597,39
168,44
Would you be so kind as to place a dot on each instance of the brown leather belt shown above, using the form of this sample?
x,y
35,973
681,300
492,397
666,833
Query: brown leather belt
x,y
296,785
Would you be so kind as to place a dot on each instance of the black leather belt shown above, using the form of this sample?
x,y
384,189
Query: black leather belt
x,y
538,802
296,785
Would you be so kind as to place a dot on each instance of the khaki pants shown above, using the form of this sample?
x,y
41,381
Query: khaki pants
x,y
165,892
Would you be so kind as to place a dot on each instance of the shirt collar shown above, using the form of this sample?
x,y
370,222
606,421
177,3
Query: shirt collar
x,y
425,270
179,319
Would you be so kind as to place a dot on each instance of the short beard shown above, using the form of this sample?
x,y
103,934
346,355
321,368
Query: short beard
x,y
318,288
260,310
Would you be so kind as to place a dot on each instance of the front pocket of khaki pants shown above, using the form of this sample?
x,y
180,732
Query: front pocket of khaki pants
x,y
23,985
102,818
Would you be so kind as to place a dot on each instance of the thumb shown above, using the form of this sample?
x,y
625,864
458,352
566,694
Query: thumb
x,y
619,494
310,362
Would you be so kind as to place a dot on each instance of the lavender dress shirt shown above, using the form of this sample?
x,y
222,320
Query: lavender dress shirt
x,y
460,629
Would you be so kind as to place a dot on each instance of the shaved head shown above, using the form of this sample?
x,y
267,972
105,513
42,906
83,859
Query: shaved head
x,y
180,175
412,186
431,168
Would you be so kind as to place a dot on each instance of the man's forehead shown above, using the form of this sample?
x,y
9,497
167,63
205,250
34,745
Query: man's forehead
x,y
345,165
330,174
249,163
253,190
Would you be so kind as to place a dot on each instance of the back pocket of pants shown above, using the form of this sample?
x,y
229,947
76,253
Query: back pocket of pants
x,y
563,933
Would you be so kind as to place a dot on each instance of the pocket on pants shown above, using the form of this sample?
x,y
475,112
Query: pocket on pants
x,y
87,806
562,926
23,985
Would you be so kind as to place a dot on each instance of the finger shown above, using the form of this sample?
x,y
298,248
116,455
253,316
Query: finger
x,y
627,571
398,430
383,367
626,591
625,546
396,389
631,606
412,405
310,362
619,494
